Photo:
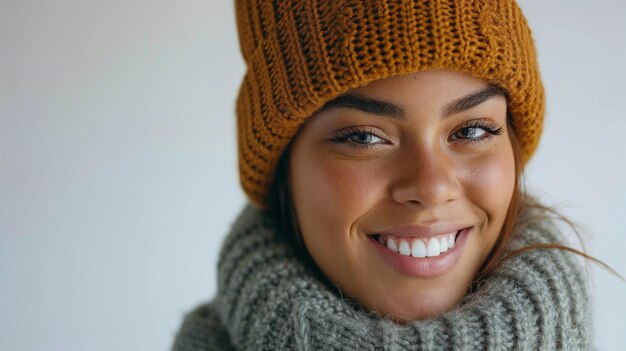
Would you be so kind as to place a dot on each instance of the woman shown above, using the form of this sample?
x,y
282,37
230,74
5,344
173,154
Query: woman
x,y
382,145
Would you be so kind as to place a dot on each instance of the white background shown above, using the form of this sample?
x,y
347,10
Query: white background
x,y
118,161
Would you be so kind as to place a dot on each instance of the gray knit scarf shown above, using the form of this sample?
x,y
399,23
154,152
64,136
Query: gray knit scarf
x,y
269,300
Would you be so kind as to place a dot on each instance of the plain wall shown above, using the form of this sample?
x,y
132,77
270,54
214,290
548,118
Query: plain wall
x,y
118,165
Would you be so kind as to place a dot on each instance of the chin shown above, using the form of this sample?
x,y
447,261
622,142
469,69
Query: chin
x,y
405,304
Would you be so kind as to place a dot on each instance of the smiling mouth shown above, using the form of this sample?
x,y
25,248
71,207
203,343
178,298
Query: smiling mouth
x,y
419,247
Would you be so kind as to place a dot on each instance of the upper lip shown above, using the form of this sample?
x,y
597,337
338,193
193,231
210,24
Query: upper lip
x,y
423,231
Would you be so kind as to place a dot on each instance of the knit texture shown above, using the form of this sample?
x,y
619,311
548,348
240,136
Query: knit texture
x,y
301,54
269,300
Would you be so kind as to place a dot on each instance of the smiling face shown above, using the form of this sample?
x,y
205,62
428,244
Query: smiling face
x,y
401,187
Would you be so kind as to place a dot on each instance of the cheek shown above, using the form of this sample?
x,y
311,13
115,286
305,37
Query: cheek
x,y
489,187
330,196
331,191
491,178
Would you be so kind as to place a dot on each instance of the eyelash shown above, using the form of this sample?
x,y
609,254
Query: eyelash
x,y
492,128
344,136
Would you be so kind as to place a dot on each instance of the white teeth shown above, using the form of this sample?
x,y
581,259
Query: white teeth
x,y
443,243
433,248
451,238
418,249
404,248
391,245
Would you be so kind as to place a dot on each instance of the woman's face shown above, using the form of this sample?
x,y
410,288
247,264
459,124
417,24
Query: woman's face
x,y
401,188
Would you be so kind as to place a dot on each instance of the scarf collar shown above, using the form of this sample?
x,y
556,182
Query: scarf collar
x,y
268,300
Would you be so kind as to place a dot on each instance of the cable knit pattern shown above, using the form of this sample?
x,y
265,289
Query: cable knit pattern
x,y
268,300
301,54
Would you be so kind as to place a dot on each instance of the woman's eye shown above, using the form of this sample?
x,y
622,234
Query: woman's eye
x,y
472,133
364,138
358,137
478,131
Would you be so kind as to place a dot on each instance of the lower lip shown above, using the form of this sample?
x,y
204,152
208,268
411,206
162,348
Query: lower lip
x,y
424,267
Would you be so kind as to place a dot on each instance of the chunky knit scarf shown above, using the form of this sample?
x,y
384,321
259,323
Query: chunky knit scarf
x,y
269,300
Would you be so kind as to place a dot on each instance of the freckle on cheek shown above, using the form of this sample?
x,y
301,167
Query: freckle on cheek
x,y
494,178
340,187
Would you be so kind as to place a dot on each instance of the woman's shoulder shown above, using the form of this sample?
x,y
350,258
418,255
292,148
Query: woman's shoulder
x,y
202,330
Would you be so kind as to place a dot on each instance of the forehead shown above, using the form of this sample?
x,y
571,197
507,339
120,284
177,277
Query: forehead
x,y
440,93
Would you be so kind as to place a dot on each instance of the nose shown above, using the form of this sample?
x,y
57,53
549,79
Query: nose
x,y
426,178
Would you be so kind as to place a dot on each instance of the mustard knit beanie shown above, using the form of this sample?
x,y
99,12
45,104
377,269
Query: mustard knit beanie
x,y
302,53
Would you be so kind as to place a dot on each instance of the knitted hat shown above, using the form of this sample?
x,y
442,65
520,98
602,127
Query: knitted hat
x,y
301,54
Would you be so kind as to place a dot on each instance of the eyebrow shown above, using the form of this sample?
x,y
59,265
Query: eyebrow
x,y
366,104
387,109
474,99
